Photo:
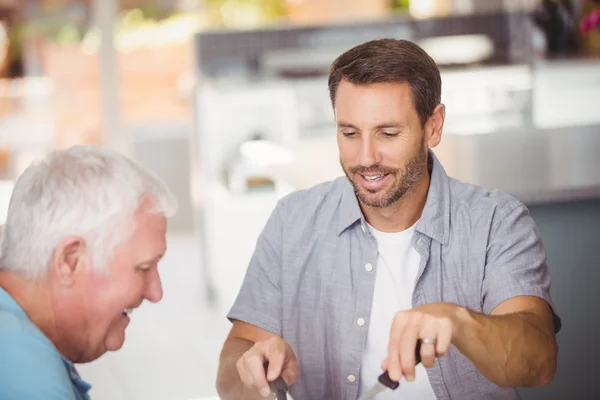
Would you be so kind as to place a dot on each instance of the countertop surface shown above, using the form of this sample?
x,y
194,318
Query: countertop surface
x,y
534,165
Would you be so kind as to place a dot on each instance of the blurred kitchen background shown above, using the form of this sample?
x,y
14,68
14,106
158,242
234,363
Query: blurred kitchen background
x,y
227,101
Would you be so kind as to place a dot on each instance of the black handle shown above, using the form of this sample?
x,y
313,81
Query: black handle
x,y
385,377
278,385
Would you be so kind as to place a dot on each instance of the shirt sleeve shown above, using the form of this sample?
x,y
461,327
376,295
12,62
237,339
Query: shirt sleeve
x,y
259,300
516,262
30,369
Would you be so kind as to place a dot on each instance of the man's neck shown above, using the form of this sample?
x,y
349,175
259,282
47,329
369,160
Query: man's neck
x,y
34,298
402,214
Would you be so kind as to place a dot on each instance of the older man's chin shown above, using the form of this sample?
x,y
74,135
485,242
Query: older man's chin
x,y
115,338
113,341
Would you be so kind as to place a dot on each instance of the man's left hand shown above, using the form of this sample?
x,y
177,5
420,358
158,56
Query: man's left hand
x,y
435,324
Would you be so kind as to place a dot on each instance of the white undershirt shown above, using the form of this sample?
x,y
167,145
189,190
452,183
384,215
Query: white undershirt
x,y
397,268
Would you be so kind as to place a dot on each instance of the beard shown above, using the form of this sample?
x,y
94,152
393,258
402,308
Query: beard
x,y
404,180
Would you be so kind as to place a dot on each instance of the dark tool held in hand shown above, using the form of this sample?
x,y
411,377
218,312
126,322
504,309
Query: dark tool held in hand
x,y
279,387
384,379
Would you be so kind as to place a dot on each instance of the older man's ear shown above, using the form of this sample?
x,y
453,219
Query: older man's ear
x,y
70,260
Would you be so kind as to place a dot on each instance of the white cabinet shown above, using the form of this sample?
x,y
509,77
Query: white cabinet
x,y
566,94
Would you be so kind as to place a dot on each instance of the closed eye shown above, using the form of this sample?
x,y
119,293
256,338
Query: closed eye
x,y
144,267
148,264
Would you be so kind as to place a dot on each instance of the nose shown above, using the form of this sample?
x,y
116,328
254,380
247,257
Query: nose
x,y
368,154
154,292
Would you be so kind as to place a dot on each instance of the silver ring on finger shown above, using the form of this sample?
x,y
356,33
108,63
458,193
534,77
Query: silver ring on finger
x,y
429,341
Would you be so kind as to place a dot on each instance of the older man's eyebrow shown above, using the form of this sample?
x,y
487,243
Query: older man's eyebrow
x,y
153,260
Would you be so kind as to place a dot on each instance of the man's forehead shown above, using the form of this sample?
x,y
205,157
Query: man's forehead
x,y
375,105
385,95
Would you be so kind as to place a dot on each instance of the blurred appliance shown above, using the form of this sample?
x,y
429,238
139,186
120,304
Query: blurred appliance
x,y
230,115
486,99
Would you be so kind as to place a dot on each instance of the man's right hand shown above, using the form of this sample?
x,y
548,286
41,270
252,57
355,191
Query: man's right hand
x,y
282,362
244,377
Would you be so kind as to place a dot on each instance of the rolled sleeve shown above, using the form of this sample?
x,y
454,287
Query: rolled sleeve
x,y
516,263
259,300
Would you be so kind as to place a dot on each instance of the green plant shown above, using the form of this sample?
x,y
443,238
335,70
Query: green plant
x,y
400,4
244,13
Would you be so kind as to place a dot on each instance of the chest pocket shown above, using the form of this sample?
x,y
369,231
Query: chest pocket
x,y
453,275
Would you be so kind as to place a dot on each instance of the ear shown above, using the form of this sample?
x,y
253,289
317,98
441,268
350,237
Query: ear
x,y
435,126
69,260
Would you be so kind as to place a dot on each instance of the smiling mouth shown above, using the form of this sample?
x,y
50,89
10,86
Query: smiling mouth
x,y
374,178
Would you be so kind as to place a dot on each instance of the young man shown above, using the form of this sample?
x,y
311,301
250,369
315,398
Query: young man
x,y
348,275
79,251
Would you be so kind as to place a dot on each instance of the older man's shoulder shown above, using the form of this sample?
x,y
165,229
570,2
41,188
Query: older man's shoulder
x,y
11,323
30,365
17,332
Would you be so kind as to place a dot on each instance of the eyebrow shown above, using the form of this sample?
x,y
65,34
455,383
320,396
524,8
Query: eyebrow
x,y
153,260
385,125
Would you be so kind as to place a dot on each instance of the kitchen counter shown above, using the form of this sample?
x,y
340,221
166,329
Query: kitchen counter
x,y
537,166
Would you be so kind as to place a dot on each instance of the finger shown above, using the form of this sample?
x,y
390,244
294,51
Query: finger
x,y
276,358
255,365
408,344
393,358
428,350
290,371
444,338
384,365
245,375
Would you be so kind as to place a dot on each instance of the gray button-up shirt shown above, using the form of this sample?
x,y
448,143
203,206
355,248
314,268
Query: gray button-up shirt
x,y
308,281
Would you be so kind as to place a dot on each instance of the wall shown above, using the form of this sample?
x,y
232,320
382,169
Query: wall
x,y
571,233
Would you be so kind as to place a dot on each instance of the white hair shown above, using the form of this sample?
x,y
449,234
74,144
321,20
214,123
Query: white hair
x,y
84,191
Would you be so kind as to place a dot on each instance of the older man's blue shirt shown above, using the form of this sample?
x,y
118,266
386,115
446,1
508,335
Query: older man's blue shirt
x,y
30,365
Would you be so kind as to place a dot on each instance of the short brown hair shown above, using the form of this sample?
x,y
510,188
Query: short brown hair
x,y
391,61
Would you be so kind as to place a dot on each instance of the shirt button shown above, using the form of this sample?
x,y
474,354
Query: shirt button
x,y
369,267
351,378
360,321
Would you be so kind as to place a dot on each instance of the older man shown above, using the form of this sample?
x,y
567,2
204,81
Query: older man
x,y
84,234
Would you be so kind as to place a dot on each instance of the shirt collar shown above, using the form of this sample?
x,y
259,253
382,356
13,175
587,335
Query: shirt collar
x,y
435,219
82,386
349,209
